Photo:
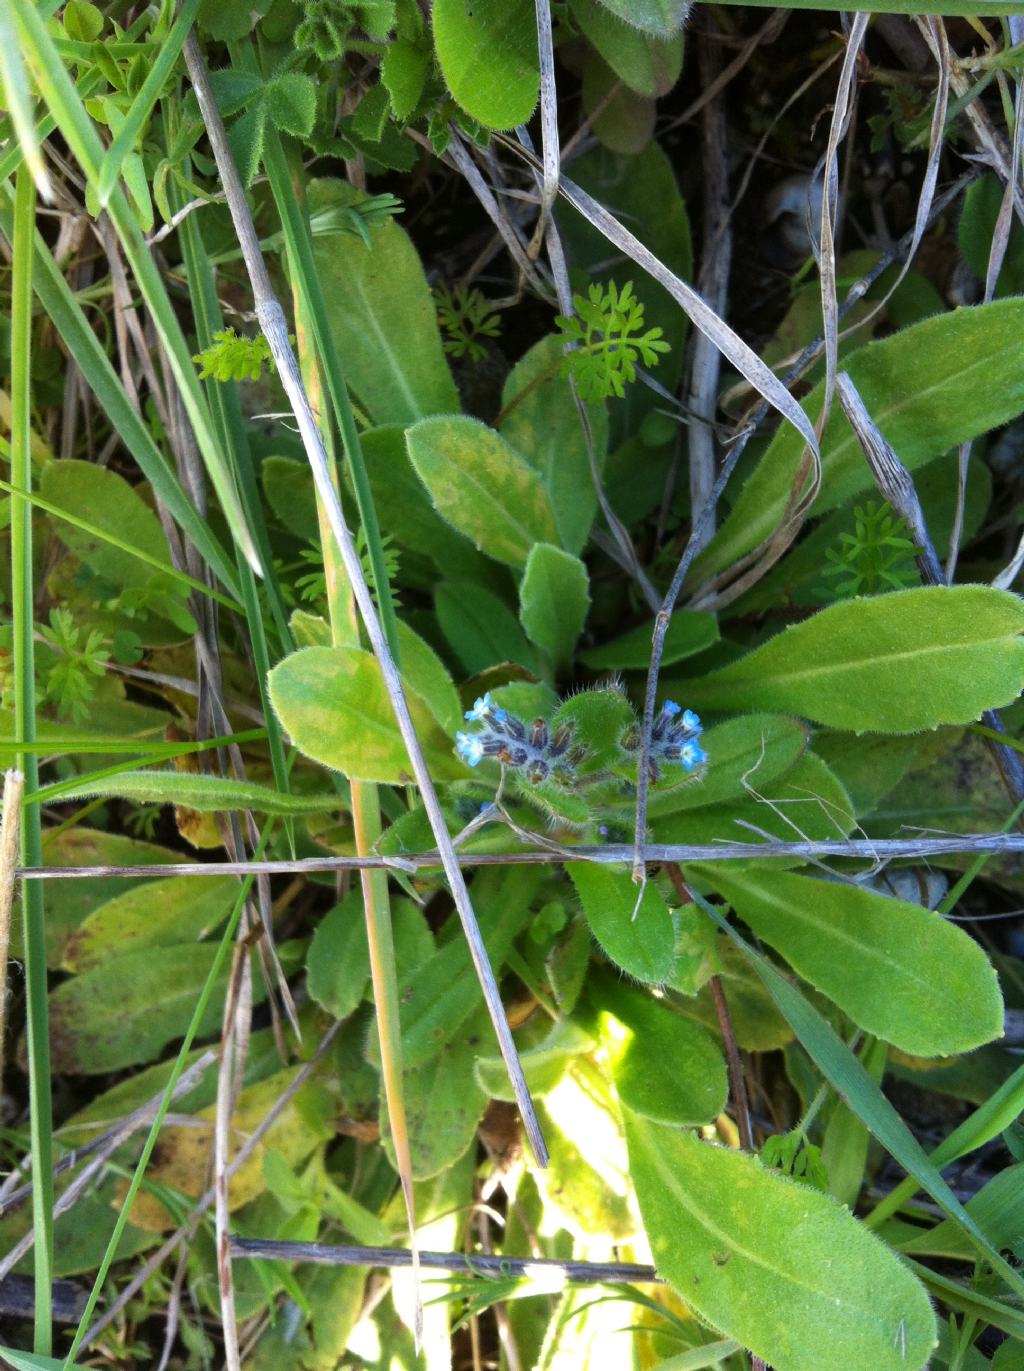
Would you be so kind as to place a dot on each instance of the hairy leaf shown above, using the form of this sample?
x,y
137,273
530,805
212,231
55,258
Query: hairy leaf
x,y
644,947
194,790
782,1268
554,597
899,971
895,663
488,54
482,486
928,387
382,315
664,1067
335,706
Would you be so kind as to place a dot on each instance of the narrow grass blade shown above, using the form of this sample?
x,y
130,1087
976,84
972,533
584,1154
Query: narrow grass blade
x,y
142,105
986,1123
22,600
81,342
182,577
18,99
65,104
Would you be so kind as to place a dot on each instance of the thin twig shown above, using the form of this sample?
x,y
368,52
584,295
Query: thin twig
x,y
713,283
275,329
613,854
478,1264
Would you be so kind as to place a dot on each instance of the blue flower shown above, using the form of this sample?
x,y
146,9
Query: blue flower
x,y
470,748
691,722
691,755
485,710
672,709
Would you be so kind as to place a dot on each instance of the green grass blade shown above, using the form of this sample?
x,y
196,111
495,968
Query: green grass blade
x,y
142,106
57,300
65,104
18,99
853,1085
37,1033
986,1123
287,192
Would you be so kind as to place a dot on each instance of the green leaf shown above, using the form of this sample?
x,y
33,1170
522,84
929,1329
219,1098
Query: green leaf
x,y
488,55
482,486
127,1009
928,387
554,597
68,903
895,663
195,790
443,1102
982,202
644,193
481,629
228,19
334,704
382,315
780,1267
246,137
403,72
338,961
291,103
104,499
661,17
644,947
899,971
440,994
545,428
404,509
755,749
852,1083
690,631
645,60
29,1361
543,1065
82,22
425,673
806,801
664,1067
153,914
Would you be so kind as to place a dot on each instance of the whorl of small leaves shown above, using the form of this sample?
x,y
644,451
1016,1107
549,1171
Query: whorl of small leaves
x,y
606,333
72,679
230,358
358,219
877,556
794,1156
465,316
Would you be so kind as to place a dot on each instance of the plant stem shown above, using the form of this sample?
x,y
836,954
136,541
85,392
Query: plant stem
x,y
40,1104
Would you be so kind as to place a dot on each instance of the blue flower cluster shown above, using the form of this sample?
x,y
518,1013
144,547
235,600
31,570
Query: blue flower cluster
x,y
539,754
674,736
